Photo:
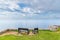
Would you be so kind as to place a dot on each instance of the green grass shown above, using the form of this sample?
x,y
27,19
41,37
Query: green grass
x,y
42,35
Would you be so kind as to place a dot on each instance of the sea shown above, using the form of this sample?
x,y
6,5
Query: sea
x,y
15,24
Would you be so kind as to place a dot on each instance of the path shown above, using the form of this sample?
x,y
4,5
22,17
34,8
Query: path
x,y
14,33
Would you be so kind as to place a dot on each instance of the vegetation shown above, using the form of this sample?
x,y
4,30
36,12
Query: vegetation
x,y
42,35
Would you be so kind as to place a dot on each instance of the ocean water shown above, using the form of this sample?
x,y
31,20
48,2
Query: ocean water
x,y
14,24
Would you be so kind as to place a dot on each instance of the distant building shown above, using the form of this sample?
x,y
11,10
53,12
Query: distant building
x,y
54,27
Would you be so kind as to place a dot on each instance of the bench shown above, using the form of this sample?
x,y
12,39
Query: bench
x,y
35,30
20,30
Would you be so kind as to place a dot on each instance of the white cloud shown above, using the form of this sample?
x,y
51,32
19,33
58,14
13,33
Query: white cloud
x,y
11,4
31,10
43,4
23,15
11,15
36,6
26,9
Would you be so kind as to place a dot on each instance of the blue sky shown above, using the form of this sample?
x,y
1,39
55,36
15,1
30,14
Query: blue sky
x,y
29,13
29,9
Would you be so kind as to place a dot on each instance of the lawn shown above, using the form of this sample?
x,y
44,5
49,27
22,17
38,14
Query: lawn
x,y
42,35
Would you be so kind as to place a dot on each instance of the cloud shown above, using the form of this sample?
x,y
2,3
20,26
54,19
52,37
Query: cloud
x,y
25,9
11,15
9,4
34,4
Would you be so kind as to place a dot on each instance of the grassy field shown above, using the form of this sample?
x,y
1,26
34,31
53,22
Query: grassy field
x,y
42,35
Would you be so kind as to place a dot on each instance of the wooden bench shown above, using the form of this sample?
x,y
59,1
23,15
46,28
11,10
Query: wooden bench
x,y
20,30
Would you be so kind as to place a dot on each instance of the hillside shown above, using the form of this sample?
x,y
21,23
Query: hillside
x,y
42,35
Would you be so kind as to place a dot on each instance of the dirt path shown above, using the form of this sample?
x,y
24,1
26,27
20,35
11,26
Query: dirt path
x,y
31,33
14,33
10,33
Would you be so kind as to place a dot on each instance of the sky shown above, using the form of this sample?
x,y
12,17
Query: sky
x,y
29,13
29,9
